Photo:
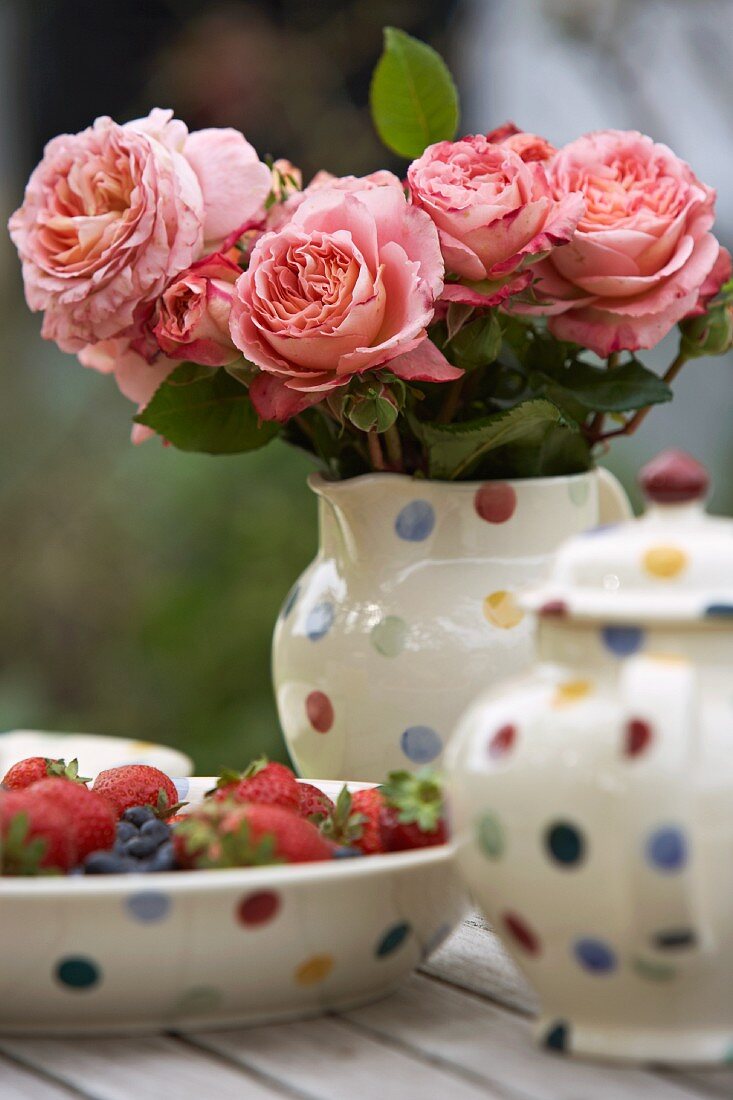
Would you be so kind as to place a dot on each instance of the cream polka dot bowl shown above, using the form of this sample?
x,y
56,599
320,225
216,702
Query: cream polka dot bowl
x,y
410,608
593,797
210,948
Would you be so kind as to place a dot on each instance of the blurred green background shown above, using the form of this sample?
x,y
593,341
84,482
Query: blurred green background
x,y
140,585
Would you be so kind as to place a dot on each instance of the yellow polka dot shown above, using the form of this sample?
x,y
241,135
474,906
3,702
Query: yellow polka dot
x,y
501,609
572,691
664,561
314,970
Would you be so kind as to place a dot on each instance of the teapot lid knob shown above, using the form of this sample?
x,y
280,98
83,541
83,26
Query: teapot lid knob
x,y
674,477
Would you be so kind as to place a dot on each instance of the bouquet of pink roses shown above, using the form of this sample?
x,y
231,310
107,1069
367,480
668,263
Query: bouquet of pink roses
x,y
479,318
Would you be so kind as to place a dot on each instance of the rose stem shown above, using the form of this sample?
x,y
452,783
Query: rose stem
x,y
638,418
393,445
375,451
594,431
452,401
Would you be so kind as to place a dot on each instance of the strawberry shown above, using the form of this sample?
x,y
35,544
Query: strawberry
x,y
224,835
354,820
270,784
29,771
93,822
137,785
313,803
412,816
35,836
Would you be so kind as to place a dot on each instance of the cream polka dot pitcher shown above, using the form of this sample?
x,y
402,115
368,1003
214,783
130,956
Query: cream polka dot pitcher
x,y
410,608
593,797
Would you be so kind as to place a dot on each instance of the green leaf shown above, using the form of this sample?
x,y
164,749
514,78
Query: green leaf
x,y
373,414
615,389
477,343
455,450
211,413
413,98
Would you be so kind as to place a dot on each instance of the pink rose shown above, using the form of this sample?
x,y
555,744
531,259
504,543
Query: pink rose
x,y
642,256
111,213
495,213
529,146
136,377
348,285
191,319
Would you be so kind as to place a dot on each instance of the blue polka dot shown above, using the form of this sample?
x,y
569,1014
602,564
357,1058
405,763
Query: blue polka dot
x,y
421,744
719,611
594,955
622,640
319,621
290,601
556,1036
148,906
182,785
393,938
666,848
416,521
77,972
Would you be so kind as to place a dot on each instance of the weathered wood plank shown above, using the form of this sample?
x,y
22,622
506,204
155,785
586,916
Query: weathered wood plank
x,y
329,1059
710,1082
468,1033
144,1067
473,958
19,1083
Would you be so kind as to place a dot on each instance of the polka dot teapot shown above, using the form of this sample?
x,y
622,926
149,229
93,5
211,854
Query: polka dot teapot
x,y
593,797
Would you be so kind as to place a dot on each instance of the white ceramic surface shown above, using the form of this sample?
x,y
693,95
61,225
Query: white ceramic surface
x,y
95,752
410,609
209,948
593,797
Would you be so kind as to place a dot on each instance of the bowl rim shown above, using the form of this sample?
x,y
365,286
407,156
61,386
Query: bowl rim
x,y
251,879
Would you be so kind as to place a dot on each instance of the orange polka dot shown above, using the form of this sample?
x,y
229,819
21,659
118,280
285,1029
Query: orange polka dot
x,y
314,970
572,691
501,609
664,561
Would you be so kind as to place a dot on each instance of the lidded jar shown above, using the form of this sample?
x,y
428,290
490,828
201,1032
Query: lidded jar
x,y
593,797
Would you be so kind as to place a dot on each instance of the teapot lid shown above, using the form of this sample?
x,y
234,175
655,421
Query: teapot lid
x,y
674,563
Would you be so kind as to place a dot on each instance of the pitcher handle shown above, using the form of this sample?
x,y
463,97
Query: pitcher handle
x,y
613,504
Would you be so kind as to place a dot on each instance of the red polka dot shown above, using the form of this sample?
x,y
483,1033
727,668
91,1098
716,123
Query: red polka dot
x,y
319,709
554,608
521,933
495,502
638,737
258,908
503,741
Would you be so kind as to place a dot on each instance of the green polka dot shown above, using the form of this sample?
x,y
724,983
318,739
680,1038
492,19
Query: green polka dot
x,y
578,492
77,972
654,971
490,836
200,1000
389,635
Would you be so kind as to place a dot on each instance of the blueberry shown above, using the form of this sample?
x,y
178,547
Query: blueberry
x,y
104,863
138,815
141,846
156,830
125,831
164,859
347,853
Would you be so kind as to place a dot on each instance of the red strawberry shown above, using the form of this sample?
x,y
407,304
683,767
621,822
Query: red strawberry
x,y
354,820
221,835
413,811
29,771
271,784
35,835
137,785
313,802
93,822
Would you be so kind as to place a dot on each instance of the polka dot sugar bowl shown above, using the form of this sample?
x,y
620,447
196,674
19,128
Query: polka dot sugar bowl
x,y
593,796
146,952
410,607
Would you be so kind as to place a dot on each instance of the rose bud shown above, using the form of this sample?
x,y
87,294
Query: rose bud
x,y
192,314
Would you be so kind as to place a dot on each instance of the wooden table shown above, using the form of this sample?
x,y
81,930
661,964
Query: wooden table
x,y
459,1029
